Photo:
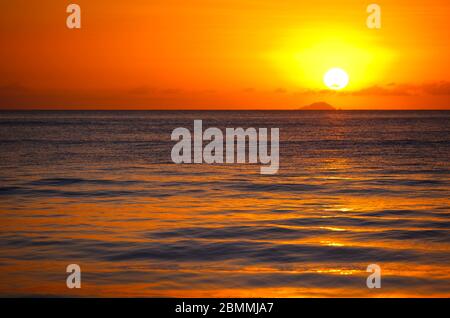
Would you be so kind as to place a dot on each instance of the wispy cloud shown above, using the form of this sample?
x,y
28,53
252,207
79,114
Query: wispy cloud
x,y
391,89
19,96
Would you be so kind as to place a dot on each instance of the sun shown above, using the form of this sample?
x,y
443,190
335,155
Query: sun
x,y
336,78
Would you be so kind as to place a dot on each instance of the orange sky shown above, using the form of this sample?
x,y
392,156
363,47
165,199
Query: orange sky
x,y
223,54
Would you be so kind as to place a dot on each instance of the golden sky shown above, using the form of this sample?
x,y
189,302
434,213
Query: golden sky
x,y
223,54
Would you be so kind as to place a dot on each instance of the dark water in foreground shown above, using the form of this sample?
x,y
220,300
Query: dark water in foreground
x,y
99,189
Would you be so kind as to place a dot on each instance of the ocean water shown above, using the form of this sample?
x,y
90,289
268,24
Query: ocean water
x,y
99,189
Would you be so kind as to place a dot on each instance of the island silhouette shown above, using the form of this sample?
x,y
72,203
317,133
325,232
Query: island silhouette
x,y
318,106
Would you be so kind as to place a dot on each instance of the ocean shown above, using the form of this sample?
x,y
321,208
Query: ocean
x,y
99,189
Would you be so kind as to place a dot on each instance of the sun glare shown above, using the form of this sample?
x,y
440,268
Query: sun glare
x,y
336,78
303,57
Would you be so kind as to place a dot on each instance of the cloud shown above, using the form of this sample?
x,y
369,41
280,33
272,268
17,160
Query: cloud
x,y
391,89
280,90
18,96
440,88
12,89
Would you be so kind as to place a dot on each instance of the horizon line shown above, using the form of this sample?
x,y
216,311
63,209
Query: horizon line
x,y
222,109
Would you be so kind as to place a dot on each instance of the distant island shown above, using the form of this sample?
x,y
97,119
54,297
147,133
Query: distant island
x,y
318,106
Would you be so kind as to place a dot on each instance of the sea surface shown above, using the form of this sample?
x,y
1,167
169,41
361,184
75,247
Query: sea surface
x,y
99,189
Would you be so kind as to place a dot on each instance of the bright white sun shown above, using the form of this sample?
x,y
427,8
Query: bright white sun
x,y
335,78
